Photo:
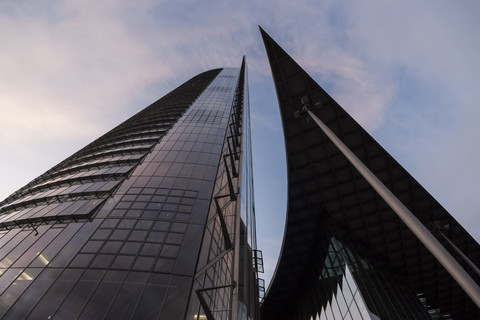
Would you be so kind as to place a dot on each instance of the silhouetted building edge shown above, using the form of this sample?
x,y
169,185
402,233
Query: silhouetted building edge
x,y
328,198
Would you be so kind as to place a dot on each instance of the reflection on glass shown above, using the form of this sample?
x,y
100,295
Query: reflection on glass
x,y
151,226
351,288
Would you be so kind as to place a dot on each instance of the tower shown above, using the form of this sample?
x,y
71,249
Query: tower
x,y
152,220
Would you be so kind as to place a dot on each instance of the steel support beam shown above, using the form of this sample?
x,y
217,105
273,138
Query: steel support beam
x,y
417,227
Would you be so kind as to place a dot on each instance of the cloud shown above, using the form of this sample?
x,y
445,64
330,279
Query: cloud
x,y
84,58
316,35
407,71
84,63
432,124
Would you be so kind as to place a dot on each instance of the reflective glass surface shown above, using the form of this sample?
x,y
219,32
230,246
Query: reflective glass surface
x,y
115,231
348,287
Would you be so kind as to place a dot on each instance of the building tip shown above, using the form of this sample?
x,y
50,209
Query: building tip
x,y
244,61
263,33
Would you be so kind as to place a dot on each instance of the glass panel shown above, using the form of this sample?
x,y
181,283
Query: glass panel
x,y
176,299
75,243
126,300
102,299
35,249
123,262
78,297
130,248
150,302
56,245
7,278
32,295
57,292
111,247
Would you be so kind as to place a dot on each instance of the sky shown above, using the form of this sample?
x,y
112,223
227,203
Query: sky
x,y
407,71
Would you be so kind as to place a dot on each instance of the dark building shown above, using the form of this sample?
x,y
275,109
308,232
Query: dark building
x,y
153,220
346,254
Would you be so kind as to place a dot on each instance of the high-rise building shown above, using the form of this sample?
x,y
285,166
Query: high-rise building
x,y
153,220
363,239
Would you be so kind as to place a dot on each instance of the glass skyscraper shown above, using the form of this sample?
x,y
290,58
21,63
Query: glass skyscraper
x,y
153,220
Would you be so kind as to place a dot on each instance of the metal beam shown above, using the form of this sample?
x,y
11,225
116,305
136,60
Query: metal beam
x,y
464,256
415,225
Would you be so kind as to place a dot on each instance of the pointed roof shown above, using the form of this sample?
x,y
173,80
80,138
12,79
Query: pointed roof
x,y
326,194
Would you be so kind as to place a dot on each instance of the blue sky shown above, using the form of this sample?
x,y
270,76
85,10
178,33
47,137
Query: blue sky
x,y
407,71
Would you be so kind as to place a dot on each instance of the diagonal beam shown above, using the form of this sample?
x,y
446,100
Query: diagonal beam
x,y
423,234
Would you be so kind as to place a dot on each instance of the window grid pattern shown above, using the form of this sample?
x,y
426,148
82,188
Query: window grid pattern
x,y
251,261
136,257
212,294
93,173
349,288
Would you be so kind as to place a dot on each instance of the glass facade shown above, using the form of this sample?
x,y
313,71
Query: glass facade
x,y
346,301
358,290
225,281
345,286
142,222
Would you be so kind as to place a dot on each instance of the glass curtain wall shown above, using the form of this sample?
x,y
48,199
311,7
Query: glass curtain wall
x,y
115,231
250,265
225,277
354,289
